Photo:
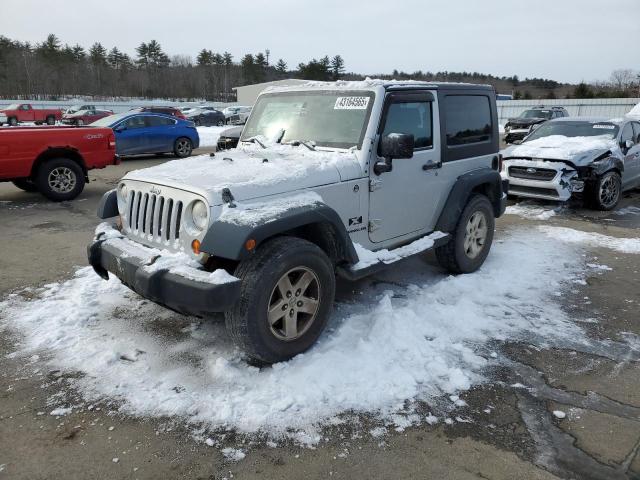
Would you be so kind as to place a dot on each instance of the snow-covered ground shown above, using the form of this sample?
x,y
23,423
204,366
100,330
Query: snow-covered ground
x,y
413,335
532,210
209,135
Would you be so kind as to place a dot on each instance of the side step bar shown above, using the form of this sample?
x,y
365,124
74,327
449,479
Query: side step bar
x,y
373,262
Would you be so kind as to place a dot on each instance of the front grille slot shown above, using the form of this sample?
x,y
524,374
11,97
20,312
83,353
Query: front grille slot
x,y
153,217
541,174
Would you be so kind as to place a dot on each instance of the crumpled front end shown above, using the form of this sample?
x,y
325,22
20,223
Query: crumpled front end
x,y
541,179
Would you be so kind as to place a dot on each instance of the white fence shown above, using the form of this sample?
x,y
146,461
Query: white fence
x,y
596,107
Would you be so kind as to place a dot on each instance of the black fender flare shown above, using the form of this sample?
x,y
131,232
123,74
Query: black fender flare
x,y
227,240
487,180
108,206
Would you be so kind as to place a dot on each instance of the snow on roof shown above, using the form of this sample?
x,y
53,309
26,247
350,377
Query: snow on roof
x,y
635,112
367,84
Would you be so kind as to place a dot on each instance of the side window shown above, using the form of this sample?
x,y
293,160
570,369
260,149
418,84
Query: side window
x,y
24,107
155,121
135,122
627,133
411,118
467,119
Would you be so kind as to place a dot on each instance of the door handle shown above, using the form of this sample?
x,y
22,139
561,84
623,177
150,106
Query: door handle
x,y
431,165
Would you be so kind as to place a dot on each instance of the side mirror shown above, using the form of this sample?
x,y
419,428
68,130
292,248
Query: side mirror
x,y
397,145
120,128
628,144
393,145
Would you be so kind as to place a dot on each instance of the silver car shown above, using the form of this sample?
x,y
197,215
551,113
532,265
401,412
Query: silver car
x,y
596,158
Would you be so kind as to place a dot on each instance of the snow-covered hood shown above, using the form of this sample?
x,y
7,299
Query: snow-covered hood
x,y
251,172
525,121
580,151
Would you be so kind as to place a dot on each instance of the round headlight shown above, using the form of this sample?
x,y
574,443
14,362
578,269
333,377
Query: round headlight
x,y
122,190
199,214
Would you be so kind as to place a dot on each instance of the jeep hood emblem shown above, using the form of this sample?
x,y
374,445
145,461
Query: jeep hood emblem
x,y
155,191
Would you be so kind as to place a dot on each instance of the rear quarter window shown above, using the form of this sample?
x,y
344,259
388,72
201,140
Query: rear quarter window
x,y
467,119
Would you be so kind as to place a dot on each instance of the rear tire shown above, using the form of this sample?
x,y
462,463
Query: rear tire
x,y
472,238
60,179
287,293
51,120
13,121
182,147
25,184
604,194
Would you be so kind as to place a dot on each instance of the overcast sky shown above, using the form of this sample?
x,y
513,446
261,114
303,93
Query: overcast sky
x,y
565,40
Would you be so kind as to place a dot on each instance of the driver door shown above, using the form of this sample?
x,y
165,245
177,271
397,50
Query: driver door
x,y
404,200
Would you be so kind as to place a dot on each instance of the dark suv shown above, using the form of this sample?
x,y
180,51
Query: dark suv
x,y
519,127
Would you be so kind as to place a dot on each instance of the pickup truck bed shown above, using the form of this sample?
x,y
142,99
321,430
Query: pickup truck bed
x,y
54,160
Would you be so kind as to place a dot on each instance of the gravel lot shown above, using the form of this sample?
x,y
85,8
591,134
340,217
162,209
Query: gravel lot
x,y
550,410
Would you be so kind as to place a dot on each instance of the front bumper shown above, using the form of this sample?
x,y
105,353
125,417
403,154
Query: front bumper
x,y
516,134
561,187
183,294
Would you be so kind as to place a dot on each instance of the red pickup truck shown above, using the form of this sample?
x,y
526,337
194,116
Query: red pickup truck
x,y
54,160
24,112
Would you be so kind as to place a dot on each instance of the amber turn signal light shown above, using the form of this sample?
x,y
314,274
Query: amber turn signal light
x,y
250,244
195,246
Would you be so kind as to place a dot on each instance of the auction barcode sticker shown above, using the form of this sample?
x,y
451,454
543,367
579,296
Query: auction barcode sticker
x,y
351,103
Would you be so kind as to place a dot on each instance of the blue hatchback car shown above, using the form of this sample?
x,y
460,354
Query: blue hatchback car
x,y
140,133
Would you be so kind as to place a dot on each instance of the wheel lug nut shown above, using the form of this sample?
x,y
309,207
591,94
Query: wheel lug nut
x,y
289,294
298,292
291,312
284,307
299,304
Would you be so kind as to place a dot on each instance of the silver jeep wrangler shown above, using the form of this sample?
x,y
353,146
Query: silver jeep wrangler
x,y
328,179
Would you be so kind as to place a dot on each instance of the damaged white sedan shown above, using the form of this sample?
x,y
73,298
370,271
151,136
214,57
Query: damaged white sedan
x,y
594,158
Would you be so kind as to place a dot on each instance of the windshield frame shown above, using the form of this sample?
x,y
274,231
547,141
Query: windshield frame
x,y
333,92
615,130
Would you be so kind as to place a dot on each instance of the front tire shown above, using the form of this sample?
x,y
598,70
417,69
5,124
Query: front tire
x,y
79,122
13,121
51,120
287,294
60,179
182,147
472,238
604,194
25,184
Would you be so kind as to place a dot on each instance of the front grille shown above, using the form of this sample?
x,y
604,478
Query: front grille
x,y
155,218
528,173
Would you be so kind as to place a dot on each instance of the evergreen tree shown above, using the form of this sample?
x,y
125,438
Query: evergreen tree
x,y
337,67
582,91
227,58
98,54
281,66
205,57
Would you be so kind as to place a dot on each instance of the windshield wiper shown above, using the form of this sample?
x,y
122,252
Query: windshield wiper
x,y
255,140
297,143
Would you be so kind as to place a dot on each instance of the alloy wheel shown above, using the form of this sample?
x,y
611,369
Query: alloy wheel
x,y
475,235
294,304
62,180
609,191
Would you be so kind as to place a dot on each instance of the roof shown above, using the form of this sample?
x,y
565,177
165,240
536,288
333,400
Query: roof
x,y
375,83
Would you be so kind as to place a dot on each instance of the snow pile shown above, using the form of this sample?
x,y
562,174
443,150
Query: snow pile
x,y
561,147
413,334
266,210
366,258
635,112
209,135
531,211
592,239
630,210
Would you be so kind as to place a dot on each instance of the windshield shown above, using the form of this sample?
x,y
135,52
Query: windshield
x,y
536,114
575,129
110,120
328,118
